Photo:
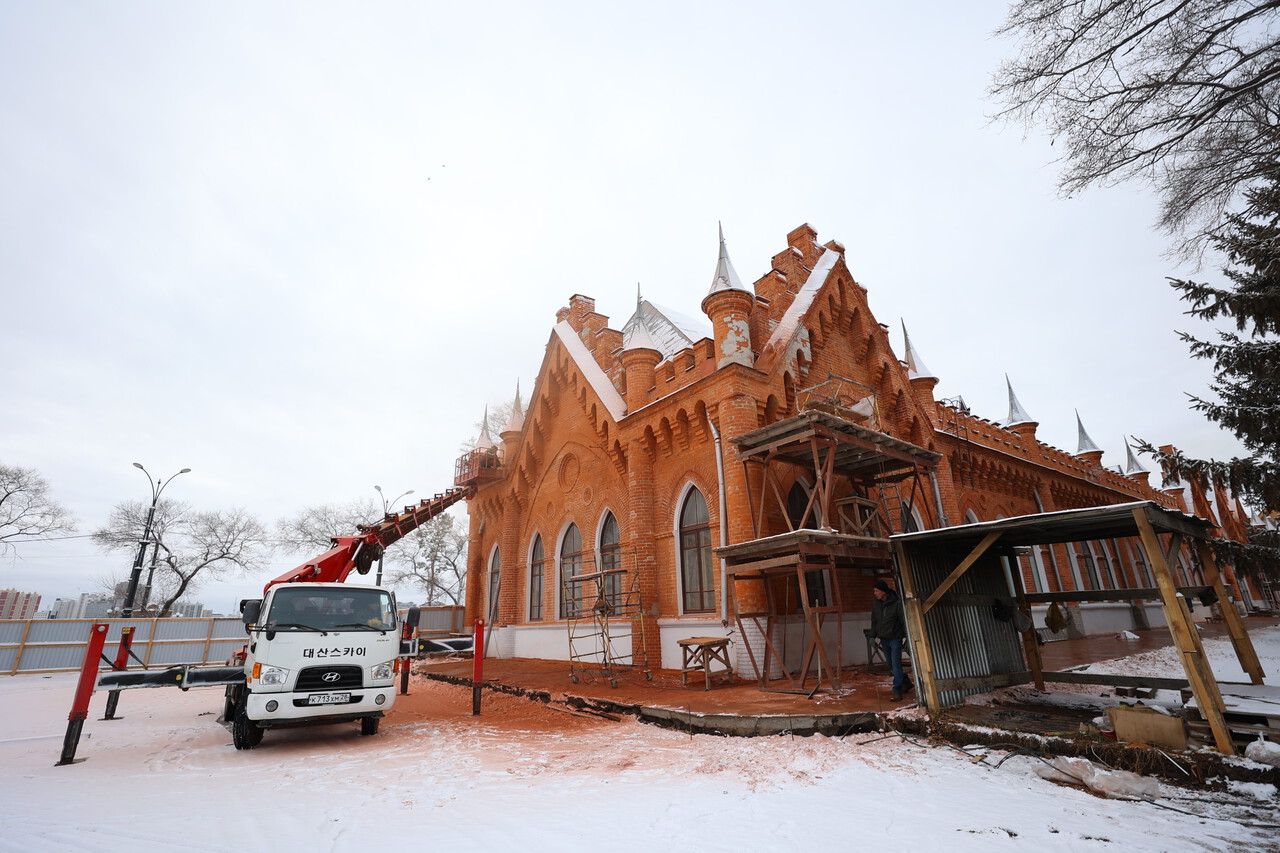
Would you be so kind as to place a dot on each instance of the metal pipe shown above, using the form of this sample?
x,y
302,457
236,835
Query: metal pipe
x,y
724,519
477,667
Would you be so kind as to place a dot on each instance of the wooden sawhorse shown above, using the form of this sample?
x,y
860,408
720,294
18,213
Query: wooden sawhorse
x,y
698,653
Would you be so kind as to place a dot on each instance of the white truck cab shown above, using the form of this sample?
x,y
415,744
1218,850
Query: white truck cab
x,y
317,653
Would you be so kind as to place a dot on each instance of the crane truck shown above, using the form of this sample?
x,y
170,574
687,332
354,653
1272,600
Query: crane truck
x,y
319,650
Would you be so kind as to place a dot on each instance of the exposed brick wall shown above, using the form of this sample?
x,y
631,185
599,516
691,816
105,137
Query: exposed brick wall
x,y
572,462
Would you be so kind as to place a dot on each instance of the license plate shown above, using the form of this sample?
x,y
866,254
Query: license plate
x,y
328,698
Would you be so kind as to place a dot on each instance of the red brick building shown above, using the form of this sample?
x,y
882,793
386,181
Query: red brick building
x,y
750,459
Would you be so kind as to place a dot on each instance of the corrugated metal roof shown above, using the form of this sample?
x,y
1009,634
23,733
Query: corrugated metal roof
x,y
1072,525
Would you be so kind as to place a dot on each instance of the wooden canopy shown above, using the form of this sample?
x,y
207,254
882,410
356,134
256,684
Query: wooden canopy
x,y
948,619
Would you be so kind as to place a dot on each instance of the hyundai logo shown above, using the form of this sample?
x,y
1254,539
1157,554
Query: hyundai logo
x,y
330,677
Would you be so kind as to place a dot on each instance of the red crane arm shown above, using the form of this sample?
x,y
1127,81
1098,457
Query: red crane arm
x,y
361,551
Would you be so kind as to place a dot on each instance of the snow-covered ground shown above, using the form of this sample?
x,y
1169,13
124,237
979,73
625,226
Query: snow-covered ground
x,y
533,778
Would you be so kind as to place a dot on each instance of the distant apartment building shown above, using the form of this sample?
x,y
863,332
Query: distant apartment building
x,y
18,605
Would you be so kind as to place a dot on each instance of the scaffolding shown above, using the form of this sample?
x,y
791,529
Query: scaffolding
x,y
605,618
803,581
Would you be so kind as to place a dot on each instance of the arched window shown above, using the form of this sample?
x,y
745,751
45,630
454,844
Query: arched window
x,y
611,560
495,583
797,500
570,567
815,581
537,566
696,571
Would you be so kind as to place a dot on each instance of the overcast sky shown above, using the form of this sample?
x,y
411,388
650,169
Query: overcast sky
x,y
299,247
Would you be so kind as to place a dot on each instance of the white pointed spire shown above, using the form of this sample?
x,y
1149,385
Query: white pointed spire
x,y
1084,444
638,337
485,442
915,367
1017,414
726,278
516,422
1132,465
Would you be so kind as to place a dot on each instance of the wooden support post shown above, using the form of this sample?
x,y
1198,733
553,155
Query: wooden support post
x,y
1185,636
1030,647
1245,651
921,653
959,570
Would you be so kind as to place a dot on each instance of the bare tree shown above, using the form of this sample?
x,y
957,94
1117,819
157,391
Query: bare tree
x,y
27,511
311,529
190,547
434,559
1181,94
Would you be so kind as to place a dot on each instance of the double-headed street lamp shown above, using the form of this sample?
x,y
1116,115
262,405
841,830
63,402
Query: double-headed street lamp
x,y
156,488
386,509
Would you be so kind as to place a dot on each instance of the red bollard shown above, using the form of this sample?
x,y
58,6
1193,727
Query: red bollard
x,y
477,668
84,690
121,663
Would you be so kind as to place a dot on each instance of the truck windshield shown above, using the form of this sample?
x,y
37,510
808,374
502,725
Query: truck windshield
x,y
337,609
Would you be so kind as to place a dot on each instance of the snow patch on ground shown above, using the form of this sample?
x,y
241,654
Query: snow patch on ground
x,y
528,777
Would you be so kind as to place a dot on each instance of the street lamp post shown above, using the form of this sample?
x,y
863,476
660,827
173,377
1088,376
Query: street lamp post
x,y
386,508
156,488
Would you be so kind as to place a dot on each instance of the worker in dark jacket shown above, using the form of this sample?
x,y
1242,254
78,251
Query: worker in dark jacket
x,y
889,626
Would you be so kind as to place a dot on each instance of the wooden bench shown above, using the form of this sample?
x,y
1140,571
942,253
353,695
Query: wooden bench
x,y
698,653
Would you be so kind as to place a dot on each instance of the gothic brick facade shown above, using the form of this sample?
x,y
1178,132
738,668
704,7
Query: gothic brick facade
x,y
625,456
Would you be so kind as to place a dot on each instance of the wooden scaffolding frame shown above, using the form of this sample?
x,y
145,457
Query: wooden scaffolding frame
x,y
1145,520
853,468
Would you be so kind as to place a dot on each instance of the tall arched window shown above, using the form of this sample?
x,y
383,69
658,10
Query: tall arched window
x,y
696,571
611,560
537,567
797,500
570,567
495,583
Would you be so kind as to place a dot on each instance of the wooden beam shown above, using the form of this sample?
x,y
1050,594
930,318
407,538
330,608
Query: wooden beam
x,y
1186,638
917,634
1148,593
759,565
1245,653
1030,642
985,682
965,565
1117,680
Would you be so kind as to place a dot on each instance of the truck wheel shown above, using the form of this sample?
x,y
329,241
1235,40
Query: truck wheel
x,y
369,725
229,703
245,733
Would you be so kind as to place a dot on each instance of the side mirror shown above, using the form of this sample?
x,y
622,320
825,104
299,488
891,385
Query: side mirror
x,y
413,617
250,610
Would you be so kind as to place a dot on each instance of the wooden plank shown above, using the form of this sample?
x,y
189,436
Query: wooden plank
x,y
759,565
917,634
1185,637
985,682
959,570
1068,677
1142,593
1245,653
1030,641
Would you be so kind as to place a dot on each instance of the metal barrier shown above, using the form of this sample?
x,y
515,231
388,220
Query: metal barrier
x,y
58,645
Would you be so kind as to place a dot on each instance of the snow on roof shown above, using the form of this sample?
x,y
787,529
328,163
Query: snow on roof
x,y
591,371
668,330
638,337
790,322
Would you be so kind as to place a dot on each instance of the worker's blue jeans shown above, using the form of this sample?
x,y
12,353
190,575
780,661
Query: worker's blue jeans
x,y
893,655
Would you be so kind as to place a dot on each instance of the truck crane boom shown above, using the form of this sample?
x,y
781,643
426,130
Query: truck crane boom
x,y
361,551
